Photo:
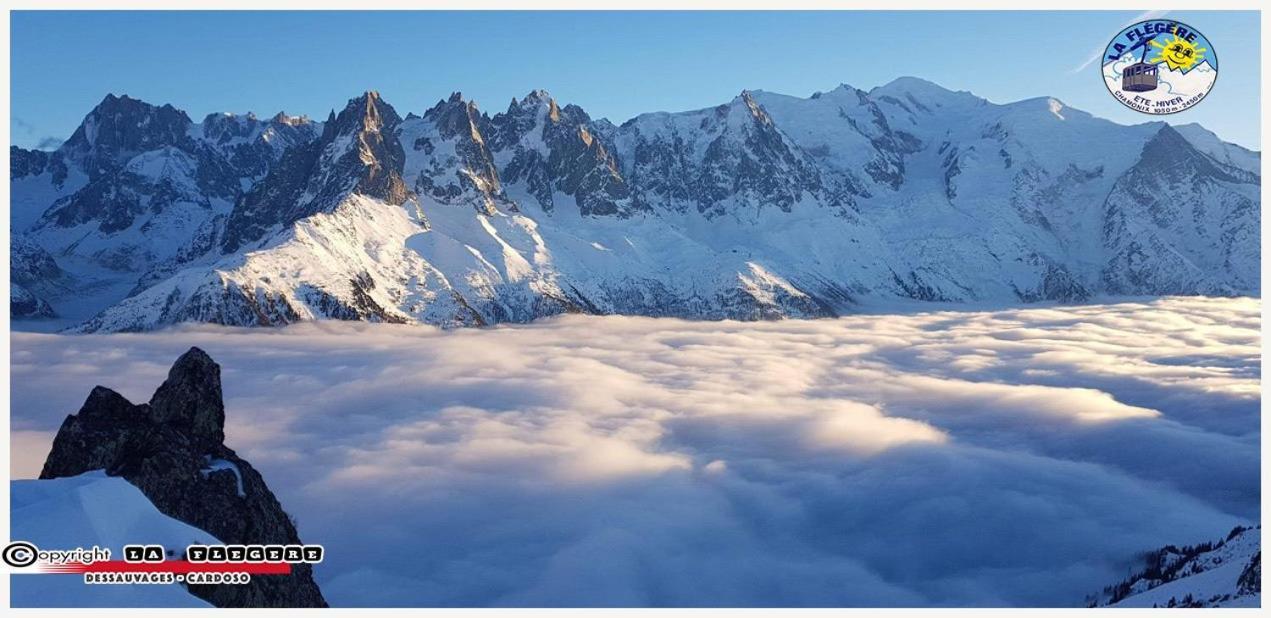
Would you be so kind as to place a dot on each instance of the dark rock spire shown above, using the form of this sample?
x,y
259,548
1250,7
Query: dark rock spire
x,y
173,450
358,152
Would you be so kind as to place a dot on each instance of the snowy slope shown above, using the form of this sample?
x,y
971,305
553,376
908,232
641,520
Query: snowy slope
x,y
135,187
1223,152
93,510
1227,573
763,207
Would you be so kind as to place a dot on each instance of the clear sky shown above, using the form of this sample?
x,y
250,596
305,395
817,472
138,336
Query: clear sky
x,y
613,64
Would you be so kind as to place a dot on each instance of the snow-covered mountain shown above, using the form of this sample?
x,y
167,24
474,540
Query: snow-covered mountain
x,y
766,206
1225,573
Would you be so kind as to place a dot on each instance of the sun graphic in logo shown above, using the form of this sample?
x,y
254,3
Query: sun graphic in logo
x,y
1178,53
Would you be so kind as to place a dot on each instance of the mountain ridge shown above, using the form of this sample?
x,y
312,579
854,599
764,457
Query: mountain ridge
x,y
763,207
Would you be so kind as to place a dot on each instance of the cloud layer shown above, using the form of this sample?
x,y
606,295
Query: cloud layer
x,y
1015,457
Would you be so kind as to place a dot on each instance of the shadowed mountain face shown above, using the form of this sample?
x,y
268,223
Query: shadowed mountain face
x,y
357,152
767,206
173,450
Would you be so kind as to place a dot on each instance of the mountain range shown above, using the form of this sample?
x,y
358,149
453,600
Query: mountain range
x,y
766,206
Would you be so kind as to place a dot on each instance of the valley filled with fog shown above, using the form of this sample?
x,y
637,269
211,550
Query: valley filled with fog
x,y
1010,457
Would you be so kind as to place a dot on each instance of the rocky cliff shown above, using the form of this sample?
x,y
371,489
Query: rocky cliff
x,y
173,450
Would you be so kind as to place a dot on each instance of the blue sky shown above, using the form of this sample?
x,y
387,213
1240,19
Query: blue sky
x,y
613,64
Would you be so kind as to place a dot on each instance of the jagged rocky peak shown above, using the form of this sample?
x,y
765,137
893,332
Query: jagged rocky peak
x,y
455,117
476,182
372,121
367,117
173,450
730,158
122,126
376,114
1079,206
560,149
225,127
190,400
509,128
358,152
251,145
535,100
537,107
140,159
23,163
754,161
538,95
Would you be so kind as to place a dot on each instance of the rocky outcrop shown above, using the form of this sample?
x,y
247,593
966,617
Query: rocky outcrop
x,y
731,159
475,178
561,149
357,152
251,145
138,184
173,449
23,163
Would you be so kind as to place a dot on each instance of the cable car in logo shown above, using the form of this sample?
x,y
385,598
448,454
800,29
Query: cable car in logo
x,y
1140,76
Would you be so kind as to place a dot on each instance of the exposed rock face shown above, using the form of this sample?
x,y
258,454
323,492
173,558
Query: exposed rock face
x,y
357,152
554,149
173,450
722,161
138,185
458,122
114,130
29,262
30,266
251,145
1250,581
1178,217
765,207
23,163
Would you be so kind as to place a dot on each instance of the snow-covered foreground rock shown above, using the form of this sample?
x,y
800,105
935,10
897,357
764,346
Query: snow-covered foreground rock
x,y
992,457
762,207
90,510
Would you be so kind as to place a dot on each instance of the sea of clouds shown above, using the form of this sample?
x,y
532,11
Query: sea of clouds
x,y
1019,457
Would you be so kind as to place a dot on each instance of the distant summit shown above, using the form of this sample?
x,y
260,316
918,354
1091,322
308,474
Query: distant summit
x,y
766,206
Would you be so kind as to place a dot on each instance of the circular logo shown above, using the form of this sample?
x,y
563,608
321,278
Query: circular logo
x,y
20,554
1159,66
